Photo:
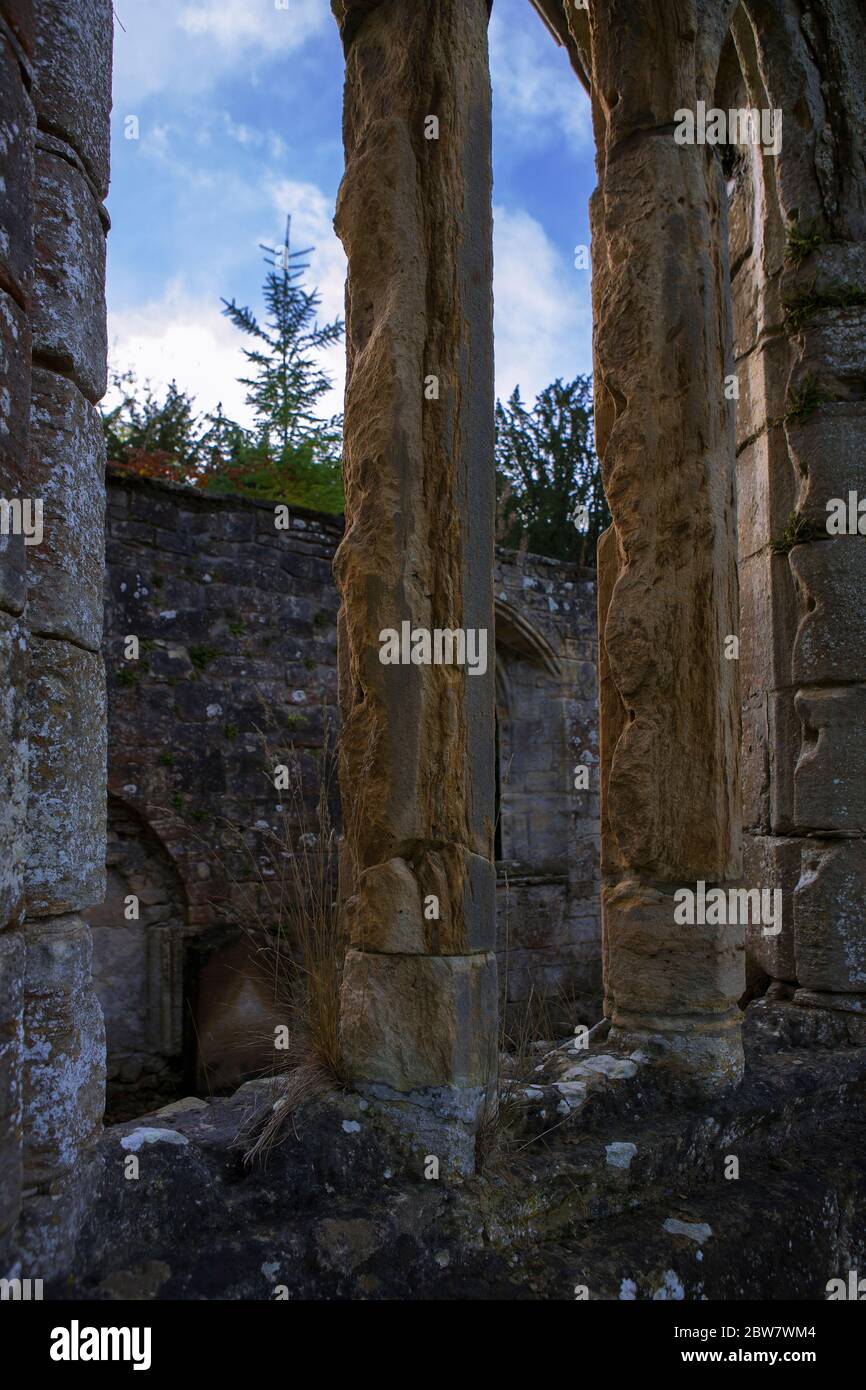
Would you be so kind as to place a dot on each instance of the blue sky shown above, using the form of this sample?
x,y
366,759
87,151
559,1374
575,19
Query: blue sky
x,y
238,106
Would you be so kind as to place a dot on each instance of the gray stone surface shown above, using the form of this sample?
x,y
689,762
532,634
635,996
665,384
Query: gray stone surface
x,y
73,78
67,751
69,330
64,1049
67,471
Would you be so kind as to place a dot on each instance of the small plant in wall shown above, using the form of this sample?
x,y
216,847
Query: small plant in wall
x,y
798,531
801,242
804,399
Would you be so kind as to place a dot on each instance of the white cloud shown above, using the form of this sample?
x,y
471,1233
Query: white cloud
x,y
261,23
186,338
534,85
542,308
164,46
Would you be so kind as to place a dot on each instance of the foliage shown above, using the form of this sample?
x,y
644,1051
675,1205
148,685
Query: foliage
x,y
290,454
549,493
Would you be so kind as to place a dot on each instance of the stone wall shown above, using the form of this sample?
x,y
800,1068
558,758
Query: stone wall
x,y
798,253
54,113
237,668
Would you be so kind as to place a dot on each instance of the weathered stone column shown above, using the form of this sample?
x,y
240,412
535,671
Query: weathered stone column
x,y
802,337
66,721
17,130
667,567
419,1001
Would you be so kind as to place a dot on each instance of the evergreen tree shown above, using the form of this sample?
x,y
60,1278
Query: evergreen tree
x,y
286,382
550,497
158,437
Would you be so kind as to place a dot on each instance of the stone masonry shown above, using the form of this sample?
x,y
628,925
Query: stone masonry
x,y
236,667
729,284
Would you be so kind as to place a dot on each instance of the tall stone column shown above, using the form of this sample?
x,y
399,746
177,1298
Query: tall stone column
x,y
66,719
802,373
667,567
419,998
17,131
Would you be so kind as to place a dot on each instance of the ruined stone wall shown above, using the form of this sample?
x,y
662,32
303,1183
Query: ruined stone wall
x,y
548,930
55,95
236,623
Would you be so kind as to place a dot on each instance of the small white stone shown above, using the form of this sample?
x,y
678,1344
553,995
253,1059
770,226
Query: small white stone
x,y
620,1154
693,1230
133,1142
351,1127
671,1289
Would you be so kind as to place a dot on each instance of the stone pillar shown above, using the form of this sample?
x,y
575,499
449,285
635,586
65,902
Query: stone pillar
x,y
66,718
419,998
667,567
17,130
802,404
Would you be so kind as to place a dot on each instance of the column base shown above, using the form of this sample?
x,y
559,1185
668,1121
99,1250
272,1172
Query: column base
x,y
698,1057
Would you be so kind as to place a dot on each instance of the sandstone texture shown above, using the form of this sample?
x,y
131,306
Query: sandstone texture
x,y
417,776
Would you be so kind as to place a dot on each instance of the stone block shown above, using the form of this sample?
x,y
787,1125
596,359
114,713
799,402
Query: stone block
x,y
785,738
67,467
761,376
64,1049
14,424
829,449
772,862
73,78
393,907
755,764
69,328
831,638
66,807
17,127
768,623
834,352
829,901
415,1022
661,971
13,768
11,1087
830,777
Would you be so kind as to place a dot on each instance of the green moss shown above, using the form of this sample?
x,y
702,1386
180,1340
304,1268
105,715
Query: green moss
x,y
237,629
230,731
177,801
202,655
167,759
125,676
